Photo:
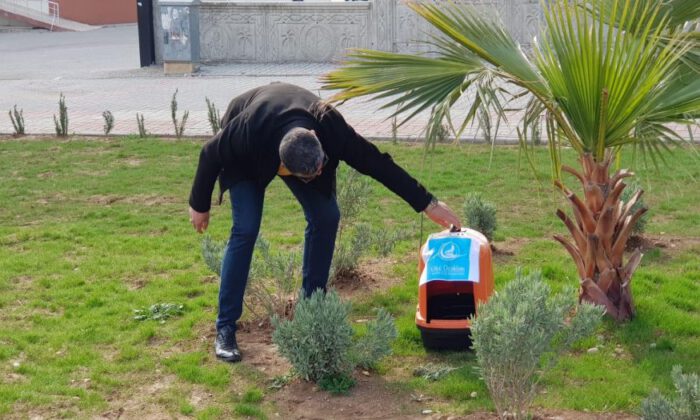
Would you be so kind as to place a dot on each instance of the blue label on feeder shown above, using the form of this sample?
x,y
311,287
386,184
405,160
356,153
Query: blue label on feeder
x,y
451,258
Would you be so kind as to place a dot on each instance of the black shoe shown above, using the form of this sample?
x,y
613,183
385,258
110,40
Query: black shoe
x,y
226,347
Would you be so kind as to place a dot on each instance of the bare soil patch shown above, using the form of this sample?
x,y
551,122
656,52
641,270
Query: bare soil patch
x,y
51,198
144,200
23,282
503,251
371,398
258,351
210,279
133,162
580,415
142,403
135,283
371,277
542,414
91,174
670,243
200,397
13,378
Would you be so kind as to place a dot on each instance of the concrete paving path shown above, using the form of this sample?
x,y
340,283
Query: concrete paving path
x,y
99,70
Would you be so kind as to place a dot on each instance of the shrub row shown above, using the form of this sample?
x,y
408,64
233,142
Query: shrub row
x,y
61,121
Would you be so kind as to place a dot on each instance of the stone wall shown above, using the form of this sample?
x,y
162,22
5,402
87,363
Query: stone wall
x,y
311,32
288,31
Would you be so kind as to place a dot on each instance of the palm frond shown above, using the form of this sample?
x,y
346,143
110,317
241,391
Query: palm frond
x,y
412,82
486,37
606,80
678,100
675,16
673,13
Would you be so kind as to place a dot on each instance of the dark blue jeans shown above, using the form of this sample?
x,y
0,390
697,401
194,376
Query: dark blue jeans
x,y
322,217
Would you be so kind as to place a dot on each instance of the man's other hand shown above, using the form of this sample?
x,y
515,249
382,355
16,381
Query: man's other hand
x,y
442,215
200,221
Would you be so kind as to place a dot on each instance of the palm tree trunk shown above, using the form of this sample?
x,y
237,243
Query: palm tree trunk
x,y
600,230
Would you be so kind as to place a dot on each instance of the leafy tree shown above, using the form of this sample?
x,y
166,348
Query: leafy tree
x,y
602,75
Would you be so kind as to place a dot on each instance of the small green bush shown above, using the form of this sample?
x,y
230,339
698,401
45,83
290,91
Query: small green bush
x,y
213,253
346,257
142,125
179,125
686,406
61,123
657,407
337,385
632,188
384,240
353,193
354,239
480,215
213,115
443,134
519,335
376,342
394,130
109,122
319,341
273,277
17,118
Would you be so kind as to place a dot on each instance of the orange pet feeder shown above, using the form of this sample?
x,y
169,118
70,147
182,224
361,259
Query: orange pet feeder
x,y
456,274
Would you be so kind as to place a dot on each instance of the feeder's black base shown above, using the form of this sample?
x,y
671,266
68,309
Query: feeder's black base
x,y
440,339
451,306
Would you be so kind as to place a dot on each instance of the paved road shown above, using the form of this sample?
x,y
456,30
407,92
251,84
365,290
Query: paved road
x,y
99,70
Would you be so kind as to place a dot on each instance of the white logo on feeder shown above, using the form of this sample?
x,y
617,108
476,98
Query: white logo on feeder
x,y
449,251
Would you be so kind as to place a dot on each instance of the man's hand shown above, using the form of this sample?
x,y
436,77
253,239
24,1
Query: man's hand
x,y
442,215
200,221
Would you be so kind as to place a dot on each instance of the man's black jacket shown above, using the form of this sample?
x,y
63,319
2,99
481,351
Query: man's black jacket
x,y
247,148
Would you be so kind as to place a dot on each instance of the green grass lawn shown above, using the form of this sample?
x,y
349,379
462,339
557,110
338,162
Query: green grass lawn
x,y
92,229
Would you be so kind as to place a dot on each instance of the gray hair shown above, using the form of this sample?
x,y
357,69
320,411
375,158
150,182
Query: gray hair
x,y
300,151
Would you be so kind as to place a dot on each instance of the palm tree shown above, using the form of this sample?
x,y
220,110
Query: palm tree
x,y
602,75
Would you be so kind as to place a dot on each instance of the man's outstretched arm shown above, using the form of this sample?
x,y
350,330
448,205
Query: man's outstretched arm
x,y
369,160
208,170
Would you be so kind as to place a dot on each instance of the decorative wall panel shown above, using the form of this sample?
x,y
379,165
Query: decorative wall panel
x,y
322,32
284,32
229,35
315,37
